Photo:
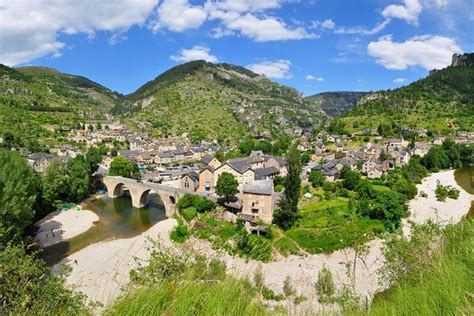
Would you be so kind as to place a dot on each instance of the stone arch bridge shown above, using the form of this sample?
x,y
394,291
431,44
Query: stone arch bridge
x,y
140,191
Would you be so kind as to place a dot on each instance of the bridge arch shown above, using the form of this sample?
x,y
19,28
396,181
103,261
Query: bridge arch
x,y
140,192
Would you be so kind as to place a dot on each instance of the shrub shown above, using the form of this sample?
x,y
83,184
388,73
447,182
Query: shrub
x,y
180,233
325,285
278,188
189,213
443,192
255,247
200,203
288,289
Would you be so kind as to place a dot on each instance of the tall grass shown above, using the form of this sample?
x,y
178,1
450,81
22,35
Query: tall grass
x,y
190,297
443,287
175,282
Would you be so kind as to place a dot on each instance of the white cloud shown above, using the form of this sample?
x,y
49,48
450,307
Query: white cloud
x,y
195,53
30,29
409,11
314,78
266,29
427,51
179,15
362,30
279,69
328,24
243,5
248,18
400,80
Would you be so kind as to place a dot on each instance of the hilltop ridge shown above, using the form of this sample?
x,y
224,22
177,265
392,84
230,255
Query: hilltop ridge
x,y
441,102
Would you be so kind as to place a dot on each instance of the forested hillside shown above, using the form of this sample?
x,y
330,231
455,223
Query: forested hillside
x,y
217,101
39,100
441,102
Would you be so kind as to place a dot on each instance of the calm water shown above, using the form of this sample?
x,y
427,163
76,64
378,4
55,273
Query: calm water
x,y
117,219
465,179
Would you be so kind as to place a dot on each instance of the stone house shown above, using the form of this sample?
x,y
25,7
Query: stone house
x,y
395,144
210,160
368,165
190,181
401,158
241,170
257,200
40,161
375,173
421,149
279,163
206,180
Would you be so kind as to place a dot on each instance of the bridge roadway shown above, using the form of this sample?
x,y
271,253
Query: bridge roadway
x,y
140,191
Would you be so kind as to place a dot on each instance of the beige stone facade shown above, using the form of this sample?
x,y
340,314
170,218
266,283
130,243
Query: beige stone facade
x,y
246,177
206,181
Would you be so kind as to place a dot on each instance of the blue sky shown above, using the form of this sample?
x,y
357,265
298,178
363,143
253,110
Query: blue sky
x,y
314,46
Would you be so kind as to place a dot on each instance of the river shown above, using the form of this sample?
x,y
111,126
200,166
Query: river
x,y
465,179
117,219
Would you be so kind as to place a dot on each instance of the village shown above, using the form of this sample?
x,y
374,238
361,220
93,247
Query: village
x,y
195,168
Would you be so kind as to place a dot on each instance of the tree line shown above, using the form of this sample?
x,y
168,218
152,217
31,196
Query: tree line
x,y
26,284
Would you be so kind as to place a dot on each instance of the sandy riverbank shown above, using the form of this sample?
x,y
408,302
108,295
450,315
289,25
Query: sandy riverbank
x,y
448,212
101,270
62,225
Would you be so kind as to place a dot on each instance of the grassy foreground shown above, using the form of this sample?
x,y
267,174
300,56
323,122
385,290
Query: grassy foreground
x,y
443,287
187,297
178,283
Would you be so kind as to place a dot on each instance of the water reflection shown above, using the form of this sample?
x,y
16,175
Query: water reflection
x,y
465,179
117,219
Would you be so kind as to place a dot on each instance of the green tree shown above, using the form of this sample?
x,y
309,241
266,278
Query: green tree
x,y
28,288
227,186
19,189
452,151
121,166
246,146
351,178
286,214
316,178
55,184
436,159
79,183
94,157
264,145
305,158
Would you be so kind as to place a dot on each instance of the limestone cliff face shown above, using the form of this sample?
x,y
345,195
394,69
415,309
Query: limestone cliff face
x,y
458,60
462,60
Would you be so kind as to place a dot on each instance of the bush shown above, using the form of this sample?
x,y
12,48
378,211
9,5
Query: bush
x,y
316,178
189,213
200,203
443,192
255,247
180,233
325,285
27,287
288,289
278,188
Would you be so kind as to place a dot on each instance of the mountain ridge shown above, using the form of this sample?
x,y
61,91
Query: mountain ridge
x,y
441,102
336,103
